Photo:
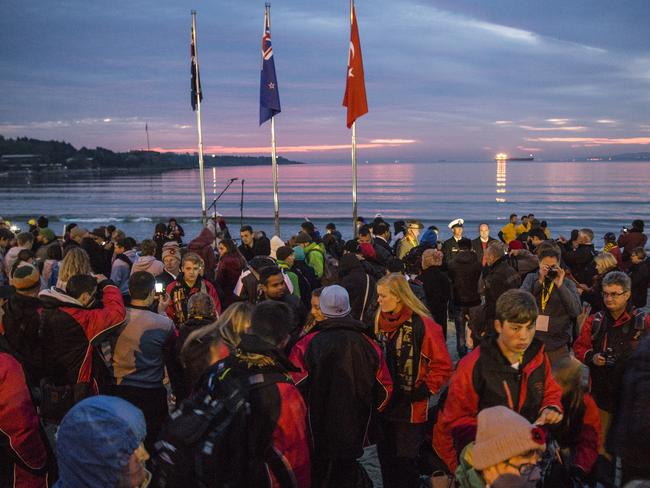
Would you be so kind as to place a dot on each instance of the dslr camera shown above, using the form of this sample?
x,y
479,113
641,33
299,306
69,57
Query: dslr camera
x,y
552,272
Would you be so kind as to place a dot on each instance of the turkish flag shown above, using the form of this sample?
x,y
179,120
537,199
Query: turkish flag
x,y
355,86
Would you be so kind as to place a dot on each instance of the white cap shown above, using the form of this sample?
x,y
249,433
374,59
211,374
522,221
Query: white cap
x,y
454,223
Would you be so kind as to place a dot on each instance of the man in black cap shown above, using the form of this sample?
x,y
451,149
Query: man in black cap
x,y
450,246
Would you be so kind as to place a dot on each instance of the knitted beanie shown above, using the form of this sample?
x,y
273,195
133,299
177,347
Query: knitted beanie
x,y
431,257
25,277
47,234
501,434
171,249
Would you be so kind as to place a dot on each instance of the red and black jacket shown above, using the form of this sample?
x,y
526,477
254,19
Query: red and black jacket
x,y
343,377
484,378
23,453
69,330
179,295
431,363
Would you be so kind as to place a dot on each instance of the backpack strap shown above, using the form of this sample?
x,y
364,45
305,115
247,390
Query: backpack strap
x,y
365,298
597,328
123,257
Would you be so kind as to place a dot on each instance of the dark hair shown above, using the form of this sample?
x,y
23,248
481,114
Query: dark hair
x,y
548,249
331,226
638,224
230,246
79,284
537,232
25,255
465,244
399,226
6,234
141,283
308,226
381,228
351,246
639,251
42,222
317,292
395,265
267,272
511,216
161,228
54,252
260,262
24,237
364,230
125,243
246,228
110,229
271,321
147,247
131,242
516,306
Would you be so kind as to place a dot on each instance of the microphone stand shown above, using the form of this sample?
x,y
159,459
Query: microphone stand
x,y
214,206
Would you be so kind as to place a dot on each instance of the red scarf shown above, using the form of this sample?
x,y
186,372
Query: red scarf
x,y
391,321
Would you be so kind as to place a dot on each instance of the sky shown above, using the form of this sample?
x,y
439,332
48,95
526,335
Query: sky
x,y
445,79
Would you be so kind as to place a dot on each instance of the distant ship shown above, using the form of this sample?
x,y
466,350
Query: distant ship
x,y
505,157
530,158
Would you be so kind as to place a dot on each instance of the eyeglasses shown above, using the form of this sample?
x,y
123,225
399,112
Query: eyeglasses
x,y
613,294
524,469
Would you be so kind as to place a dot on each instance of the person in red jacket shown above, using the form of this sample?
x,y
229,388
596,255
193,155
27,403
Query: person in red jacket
x,y
23,455
420,366
71,322
203,245
230,266
606,341
510,370
187,283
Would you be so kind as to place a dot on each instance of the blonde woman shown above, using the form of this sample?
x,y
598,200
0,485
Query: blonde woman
x,y
605,263
211,343
75,262
420,366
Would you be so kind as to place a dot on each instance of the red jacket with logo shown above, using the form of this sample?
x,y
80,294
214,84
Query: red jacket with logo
x,y
484,378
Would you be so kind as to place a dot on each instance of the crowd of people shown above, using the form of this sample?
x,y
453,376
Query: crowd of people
x,y
514,360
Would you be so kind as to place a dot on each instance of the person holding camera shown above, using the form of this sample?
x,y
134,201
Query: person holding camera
x,y
557,300
606,341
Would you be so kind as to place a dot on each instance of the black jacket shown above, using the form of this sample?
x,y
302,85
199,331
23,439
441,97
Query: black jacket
x,y
581,263
477,246
497,279
358,283
465,271
640,276
22,323
450,249
343,378
379,242
100,258
437,290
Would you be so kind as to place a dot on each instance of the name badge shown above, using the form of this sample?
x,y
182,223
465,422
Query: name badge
x,y
541,323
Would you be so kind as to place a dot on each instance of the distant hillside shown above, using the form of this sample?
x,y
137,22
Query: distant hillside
x,y
638,156
25,153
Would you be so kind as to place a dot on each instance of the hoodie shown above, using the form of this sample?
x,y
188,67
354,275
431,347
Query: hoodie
x,y
95,441
202,245
276,243
120,271
148,263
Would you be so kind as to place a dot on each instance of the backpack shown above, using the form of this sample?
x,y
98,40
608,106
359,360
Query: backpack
x,y
208,441
330,268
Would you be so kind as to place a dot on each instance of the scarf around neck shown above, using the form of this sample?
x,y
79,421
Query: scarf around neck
x,y
391,321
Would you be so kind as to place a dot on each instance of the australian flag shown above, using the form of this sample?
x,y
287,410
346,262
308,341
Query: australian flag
x,y
194,67
269,95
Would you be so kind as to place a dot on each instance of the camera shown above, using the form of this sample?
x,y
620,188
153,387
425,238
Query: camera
x,y
552,272
624,230
610,357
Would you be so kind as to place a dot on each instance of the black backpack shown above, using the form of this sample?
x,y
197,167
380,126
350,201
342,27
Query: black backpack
x,y
209,442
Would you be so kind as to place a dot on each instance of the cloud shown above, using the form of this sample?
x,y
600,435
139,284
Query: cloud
x,y
592,140
558,121
374,144
503,122
606,121
577,128
530,149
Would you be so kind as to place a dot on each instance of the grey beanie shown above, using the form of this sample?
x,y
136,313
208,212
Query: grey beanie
x,y
334,301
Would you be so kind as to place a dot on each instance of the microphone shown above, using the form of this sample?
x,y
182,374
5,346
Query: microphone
x,y
233,179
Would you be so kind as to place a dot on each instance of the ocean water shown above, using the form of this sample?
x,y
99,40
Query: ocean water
x,y
603,196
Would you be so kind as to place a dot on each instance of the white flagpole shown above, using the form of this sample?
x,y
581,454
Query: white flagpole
x,y
274,162
198,119
354,157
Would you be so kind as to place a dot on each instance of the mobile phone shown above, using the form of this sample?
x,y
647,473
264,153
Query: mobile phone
x,y
159,287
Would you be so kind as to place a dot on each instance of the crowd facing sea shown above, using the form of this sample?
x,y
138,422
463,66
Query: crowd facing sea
x,y
497,357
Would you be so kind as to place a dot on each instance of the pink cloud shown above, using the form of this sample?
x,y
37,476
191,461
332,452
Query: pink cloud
x,y
592,140
378,143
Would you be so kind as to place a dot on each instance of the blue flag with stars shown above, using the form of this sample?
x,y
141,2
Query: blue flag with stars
x,y
269,95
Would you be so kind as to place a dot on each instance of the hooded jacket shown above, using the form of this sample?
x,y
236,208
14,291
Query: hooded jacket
x,y
465,271
121,270
149,264
359,285
315,257
484,378
69,330
581,263
228,271
23,456
95,440
180,293
202,245
343,377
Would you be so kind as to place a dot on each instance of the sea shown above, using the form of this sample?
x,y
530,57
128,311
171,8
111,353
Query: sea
x,y
604,196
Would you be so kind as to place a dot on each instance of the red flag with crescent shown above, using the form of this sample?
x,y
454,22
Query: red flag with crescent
x,y
355,86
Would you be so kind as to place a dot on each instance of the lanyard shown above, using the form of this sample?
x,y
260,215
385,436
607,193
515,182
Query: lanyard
x,y
546,295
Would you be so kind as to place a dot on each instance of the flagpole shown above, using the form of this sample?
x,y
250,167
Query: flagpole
x,y
198,119
354,154
274,162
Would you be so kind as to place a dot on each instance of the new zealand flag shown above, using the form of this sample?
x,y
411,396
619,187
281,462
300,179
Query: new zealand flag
x,y
194,67
269,95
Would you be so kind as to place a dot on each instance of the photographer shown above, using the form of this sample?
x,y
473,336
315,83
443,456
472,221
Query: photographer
x,y
557,300
606,341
